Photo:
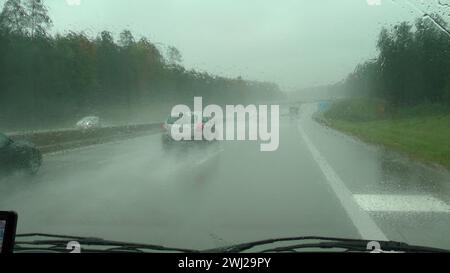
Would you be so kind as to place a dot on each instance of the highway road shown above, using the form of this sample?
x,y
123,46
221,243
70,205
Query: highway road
x,y
197,195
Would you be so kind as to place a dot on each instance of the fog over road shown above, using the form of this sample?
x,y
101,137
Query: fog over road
x,y
199,195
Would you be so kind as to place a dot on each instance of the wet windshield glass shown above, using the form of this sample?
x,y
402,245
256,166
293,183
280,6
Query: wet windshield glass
x,y
325,118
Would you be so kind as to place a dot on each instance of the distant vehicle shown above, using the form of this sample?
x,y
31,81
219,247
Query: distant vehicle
x,y
90,122
18,155
197,123
294,111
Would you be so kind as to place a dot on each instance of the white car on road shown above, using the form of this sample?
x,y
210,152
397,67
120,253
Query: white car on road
x,y
90,122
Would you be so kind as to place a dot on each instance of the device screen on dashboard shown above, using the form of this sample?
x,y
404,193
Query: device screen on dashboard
x,y
8,224
2,233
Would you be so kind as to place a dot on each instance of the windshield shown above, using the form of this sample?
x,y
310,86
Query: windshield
x,y
309,118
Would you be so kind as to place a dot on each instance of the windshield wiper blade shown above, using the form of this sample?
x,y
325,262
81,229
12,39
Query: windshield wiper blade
x,y
385,247
250,245
59,243
326,243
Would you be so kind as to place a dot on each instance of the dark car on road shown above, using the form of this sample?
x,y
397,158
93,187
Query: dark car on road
x,y
294,111
18,155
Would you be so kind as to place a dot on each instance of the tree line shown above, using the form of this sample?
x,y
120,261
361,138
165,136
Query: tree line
x,y
48,80
412,66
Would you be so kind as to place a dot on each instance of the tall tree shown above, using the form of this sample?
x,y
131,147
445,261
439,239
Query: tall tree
x,y
38,20
126,39
174,56
13,17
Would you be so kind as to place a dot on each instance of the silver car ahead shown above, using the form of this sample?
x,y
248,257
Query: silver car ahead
x,y
197,124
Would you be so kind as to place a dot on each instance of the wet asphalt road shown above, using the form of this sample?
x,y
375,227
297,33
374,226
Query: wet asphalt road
x,y
319,182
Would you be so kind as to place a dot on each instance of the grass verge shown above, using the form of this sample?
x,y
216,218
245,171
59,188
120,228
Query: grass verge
x,y
421,132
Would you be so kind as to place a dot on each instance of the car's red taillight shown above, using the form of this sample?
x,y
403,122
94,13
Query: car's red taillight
x,y
200,126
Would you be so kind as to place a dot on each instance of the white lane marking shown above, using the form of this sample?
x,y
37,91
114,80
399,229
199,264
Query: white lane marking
x,y
401,203
365,225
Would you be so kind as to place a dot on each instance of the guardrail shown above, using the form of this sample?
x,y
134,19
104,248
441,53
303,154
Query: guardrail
x,y
57,140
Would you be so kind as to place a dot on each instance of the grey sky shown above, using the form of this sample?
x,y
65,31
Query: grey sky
x,y
295,43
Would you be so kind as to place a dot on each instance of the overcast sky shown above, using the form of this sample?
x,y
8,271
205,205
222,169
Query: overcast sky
x,y
295,43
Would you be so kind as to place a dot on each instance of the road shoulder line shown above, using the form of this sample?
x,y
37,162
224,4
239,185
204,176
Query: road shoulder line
x,y
365,225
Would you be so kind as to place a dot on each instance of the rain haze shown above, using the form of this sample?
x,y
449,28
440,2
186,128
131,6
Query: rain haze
x,y
294,43
199,125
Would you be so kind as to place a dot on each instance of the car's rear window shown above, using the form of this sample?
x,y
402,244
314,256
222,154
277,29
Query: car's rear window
x,y
92,119
172,120
194,119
